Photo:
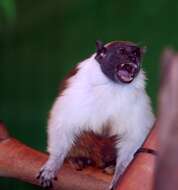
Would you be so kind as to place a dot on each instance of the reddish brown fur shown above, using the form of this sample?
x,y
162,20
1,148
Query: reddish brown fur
x,y
64,83
100,149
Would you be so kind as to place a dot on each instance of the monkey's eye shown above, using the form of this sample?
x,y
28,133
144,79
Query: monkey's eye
x,y
136,52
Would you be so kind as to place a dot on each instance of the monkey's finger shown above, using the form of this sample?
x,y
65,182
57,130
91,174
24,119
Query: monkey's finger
x,y
39,175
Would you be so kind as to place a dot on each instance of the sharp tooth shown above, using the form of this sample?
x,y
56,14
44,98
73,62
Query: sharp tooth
x,y
122,65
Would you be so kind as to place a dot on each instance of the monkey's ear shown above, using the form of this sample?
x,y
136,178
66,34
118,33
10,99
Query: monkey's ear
x,y
99,47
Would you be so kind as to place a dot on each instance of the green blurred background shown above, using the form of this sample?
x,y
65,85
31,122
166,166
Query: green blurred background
x,y
40,40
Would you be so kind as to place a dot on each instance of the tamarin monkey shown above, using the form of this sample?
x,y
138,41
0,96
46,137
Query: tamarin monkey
x,y
104,99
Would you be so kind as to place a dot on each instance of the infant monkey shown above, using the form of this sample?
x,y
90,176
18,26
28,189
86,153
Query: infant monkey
x,y
107,90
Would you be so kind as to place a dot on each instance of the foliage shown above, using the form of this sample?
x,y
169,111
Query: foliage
x,y
8,8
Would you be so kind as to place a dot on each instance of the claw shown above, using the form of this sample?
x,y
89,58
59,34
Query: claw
x,y
38,175
45,178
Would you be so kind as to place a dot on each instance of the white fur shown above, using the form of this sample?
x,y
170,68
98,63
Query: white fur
x,y
90,101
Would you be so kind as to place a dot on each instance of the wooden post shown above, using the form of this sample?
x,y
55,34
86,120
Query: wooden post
x,y
167,165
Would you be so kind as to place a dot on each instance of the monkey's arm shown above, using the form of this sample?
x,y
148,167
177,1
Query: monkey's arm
x,y
142,121
140,173
62,130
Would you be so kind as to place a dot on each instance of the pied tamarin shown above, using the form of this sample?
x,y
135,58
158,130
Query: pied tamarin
x,y
104,99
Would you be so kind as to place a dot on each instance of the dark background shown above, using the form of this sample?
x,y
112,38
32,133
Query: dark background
x,y
40,40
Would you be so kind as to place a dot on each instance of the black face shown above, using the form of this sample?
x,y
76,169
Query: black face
x,y
120,60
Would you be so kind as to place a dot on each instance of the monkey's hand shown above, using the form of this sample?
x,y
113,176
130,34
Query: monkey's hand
x,y
46,176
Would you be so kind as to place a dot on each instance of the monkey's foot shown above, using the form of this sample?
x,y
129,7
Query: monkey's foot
x,y
46,177
109,170
79,163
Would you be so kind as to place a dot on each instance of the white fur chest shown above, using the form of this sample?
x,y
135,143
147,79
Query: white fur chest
x,y
92,100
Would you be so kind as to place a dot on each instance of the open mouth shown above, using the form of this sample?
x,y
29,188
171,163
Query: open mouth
x,y
126,72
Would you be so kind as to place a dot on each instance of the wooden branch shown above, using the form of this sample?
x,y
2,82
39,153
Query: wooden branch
x,y
167,169
23,163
